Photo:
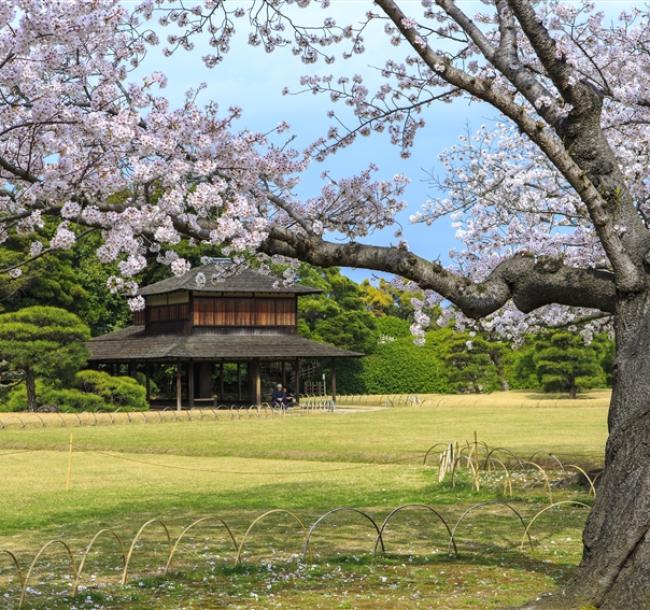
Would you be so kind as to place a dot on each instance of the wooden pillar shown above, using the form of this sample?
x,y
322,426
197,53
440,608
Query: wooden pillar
x,y
298,370
147,377
333,379
284,375
203,380
190,384
221,380
133,371
257,382
239,381
179,386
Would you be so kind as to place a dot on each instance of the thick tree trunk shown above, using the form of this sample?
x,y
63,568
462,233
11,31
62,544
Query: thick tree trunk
x,y
615,570
30,383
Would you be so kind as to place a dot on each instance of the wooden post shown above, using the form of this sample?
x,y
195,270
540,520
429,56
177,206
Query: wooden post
x,y
238,381
190,384
179,386
133,370
333,379
257,382
298,368
284,375
221,381
147,377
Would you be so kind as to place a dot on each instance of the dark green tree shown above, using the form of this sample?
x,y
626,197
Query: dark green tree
x,y
42,342
469,363
564,363
339,314
71,279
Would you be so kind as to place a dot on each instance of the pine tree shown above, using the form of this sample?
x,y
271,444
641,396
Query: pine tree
x,y
469,363
42,342
563,363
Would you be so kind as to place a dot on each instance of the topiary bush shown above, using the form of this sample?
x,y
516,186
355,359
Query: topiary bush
x,y
91,391
118,392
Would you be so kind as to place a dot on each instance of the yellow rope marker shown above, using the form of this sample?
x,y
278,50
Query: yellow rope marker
x,y
69,477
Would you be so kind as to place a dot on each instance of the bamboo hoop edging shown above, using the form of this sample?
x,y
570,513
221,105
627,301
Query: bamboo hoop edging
x,y
399,509
82,563
592,487
340,509
16,565
488,503
263,516
430,450
191,526
125,573
546,479
538,514
507,485
47,545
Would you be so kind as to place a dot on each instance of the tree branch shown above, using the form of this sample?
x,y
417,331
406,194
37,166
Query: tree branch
x,y
628,271
528,281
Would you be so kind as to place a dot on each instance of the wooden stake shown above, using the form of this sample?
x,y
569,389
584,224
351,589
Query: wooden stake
x,y
69,478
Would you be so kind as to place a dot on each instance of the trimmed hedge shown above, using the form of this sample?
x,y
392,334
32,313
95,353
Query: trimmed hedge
x,y
91,391
397,366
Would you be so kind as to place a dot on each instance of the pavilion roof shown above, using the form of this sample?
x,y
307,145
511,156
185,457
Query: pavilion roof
x,y
132,343
241,281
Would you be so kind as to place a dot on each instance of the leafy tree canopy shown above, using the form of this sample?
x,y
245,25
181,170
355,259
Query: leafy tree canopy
x,y
44,342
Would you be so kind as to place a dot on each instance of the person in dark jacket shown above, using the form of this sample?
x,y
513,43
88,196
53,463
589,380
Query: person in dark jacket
x,y
278,396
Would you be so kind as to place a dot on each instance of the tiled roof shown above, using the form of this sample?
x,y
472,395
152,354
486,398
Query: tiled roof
x,y
245,280
132,343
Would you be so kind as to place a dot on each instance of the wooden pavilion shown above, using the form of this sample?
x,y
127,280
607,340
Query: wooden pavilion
x,y
228,339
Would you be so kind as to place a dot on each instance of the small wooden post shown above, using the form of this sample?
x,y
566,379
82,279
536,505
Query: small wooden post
x,y
68,480
190,384
333,379
179,386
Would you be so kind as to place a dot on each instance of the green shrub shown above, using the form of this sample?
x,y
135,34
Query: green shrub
x,y
117,392
397,366
69,400
91,391
65,399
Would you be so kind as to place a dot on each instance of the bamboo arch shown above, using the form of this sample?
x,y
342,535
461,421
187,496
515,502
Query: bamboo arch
x,y
191,526
340,509
481,505
125,573
541,512
399,509
263,516
82,563
16,564
28,575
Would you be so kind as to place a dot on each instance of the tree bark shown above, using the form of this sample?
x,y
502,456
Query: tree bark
x,y
30,383
614,573
615,569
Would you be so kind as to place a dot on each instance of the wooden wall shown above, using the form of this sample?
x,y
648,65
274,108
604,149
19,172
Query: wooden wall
x,y
244,311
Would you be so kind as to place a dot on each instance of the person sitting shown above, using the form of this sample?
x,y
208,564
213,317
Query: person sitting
x,y
289,398
278,396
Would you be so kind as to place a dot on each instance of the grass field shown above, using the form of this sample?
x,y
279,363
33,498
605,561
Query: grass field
x,y
124,474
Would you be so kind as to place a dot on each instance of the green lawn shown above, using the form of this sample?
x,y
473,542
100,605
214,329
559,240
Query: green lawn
x,y
235,469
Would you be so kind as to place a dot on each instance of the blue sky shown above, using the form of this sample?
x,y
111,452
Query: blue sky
x,y
253,80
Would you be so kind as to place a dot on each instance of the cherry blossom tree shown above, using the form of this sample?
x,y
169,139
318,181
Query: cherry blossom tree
x,y
552,203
